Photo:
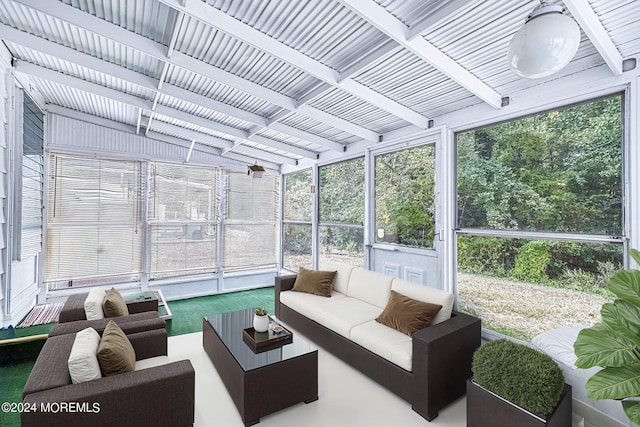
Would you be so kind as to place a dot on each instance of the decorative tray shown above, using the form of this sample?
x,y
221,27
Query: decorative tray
x,y
264,341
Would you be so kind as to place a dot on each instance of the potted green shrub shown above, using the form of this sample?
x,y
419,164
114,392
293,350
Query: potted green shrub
x,y
614,344
516,385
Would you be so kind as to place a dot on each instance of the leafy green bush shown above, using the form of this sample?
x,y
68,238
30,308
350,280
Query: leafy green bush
x,y
519,374
532,262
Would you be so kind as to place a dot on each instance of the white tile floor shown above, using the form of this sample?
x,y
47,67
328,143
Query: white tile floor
x,y
346,397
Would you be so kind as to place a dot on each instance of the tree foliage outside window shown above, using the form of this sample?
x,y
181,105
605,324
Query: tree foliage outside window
x,y
405,197
554,172
341,200
298,206
558,171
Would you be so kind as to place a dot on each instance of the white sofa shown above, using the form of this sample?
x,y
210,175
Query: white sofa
x,y
428,369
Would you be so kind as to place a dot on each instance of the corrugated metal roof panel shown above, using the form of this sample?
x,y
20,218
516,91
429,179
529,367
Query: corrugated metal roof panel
x,y
83,73
315,127
206,113
291,140
620,19
272,150
210,88
207,44
149,18
87,103
191,126
321,29
76,38
350,108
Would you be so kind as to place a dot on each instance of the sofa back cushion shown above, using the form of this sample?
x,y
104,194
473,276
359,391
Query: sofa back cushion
x,y
369,286
426,294
343,275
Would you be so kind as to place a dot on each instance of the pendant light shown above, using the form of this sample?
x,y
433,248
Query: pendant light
x,y
545,44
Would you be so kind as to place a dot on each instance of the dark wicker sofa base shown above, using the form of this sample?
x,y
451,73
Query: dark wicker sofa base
x,y
441,363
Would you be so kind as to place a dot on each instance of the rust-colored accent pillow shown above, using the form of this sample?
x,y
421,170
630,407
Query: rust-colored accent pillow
x,y
315,282
406,314
115,352
113,304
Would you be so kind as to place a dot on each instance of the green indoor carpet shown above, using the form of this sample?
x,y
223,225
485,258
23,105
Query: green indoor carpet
x,y
16,361
188,313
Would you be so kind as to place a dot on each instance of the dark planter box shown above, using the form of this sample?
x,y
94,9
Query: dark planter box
x,y
486,409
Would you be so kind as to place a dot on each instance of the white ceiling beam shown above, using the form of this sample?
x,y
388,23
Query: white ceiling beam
x,y
378,16
254,153
229,25
584,14
200,121
122,73
259,155
307,136
189,134
158,51
283,146
437,14
82,85
92,88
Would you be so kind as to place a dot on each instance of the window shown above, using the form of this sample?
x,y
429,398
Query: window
x,y
94,219
32,179
250,232
297,229
405,197
341,216
183,217
540,215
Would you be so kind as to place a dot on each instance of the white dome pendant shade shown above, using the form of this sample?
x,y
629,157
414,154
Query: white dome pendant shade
x,y
545,44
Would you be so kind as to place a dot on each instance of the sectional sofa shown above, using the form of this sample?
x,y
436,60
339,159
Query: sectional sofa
x,y
428,369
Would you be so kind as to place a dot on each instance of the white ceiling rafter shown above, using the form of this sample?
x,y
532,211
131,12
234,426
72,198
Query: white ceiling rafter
x,y
73,56
584,14
235,28
158,51
181,142
150,125
378,16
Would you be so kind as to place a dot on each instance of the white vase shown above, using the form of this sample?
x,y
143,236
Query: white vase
x,y
261,323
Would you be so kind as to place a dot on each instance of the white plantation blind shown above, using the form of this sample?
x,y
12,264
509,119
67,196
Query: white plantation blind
x,y
250,237
183,215
32,179
94,218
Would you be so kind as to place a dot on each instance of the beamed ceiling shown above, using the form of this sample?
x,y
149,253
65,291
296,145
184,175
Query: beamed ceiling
x,y
280,81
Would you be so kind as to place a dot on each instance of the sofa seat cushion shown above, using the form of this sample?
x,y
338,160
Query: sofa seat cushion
x,y
386,342
370,287
344,314
297,299
426,294
342,276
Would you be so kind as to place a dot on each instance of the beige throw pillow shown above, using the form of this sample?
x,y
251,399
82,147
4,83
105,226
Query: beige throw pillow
x,y
407,315
115,352
114,305
315,282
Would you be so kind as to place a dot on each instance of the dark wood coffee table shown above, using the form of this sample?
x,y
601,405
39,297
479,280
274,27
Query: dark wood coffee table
x,y
259,383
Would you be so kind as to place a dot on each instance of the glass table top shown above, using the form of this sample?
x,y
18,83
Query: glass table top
x,y
229,327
